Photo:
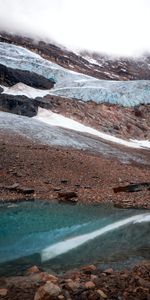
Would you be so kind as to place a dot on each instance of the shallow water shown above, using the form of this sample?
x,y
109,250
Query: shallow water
x,y
59,237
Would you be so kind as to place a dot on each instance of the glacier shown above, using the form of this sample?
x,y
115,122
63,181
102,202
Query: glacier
x,y
75,85
48,117
51,135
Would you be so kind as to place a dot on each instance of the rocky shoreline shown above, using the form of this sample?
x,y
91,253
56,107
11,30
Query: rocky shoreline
x,y
85,283
31,171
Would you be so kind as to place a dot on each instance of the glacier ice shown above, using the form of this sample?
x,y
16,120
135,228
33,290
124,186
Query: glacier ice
x,y
48,117
71,84
47,134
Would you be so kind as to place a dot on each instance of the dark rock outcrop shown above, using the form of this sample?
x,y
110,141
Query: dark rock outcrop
x,y
133,187
9,77
20,105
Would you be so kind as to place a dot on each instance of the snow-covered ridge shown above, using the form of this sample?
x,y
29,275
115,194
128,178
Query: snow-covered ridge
x,y
71,84
55,119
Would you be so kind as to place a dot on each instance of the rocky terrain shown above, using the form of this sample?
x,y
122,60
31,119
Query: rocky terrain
x,y
85,283
32,171
120,121
42,161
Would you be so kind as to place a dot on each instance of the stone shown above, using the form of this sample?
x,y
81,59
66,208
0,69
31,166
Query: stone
x,y
61,297
26,190
52,278
64,180
93,277
3,292
133,187
89,285
102,294
108,271
73,285
88,269
13,186
144,283
32,270
48,291
68,196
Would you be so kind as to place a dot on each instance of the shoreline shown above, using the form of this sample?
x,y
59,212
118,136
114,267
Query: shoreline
x,y
42,172
86,282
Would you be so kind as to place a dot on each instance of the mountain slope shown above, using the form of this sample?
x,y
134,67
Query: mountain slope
x,y
92,64
71,84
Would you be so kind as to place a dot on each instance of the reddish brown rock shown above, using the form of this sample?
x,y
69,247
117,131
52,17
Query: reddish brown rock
x,y
47,291
32,270
3,292
89,285
88,269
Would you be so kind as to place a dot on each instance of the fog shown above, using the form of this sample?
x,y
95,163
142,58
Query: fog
x,y
118,27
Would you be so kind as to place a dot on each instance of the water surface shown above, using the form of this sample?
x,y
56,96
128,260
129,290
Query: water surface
x,y
59,237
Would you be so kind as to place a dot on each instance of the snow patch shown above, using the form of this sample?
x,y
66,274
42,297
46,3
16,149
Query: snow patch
x,y
23,89
55,119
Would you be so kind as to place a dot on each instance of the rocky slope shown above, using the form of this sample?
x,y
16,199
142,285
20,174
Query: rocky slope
x,y
92,64
49,161
74,95
34,170
119,121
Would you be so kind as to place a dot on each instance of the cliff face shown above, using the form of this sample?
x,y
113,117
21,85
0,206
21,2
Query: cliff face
x,y
10,76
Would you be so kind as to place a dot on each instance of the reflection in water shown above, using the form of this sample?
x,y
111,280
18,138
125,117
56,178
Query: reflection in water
x,y
60,237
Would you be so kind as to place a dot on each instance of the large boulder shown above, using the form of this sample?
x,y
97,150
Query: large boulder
x,y
48,291
9,77
20,105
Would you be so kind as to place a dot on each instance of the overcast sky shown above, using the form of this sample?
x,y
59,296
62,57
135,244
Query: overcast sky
x,y
118,27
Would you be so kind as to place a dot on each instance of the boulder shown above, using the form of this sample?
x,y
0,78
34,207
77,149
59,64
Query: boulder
x,y
3,292
20,105
33,270
47,292
101,294
108,271
68,196
89,285
88,269
72,285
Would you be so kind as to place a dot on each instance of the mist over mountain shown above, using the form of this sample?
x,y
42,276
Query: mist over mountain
x,y
106,26
74,128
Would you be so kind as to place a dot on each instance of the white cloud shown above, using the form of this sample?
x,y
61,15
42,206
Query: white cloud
x,y
112,26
